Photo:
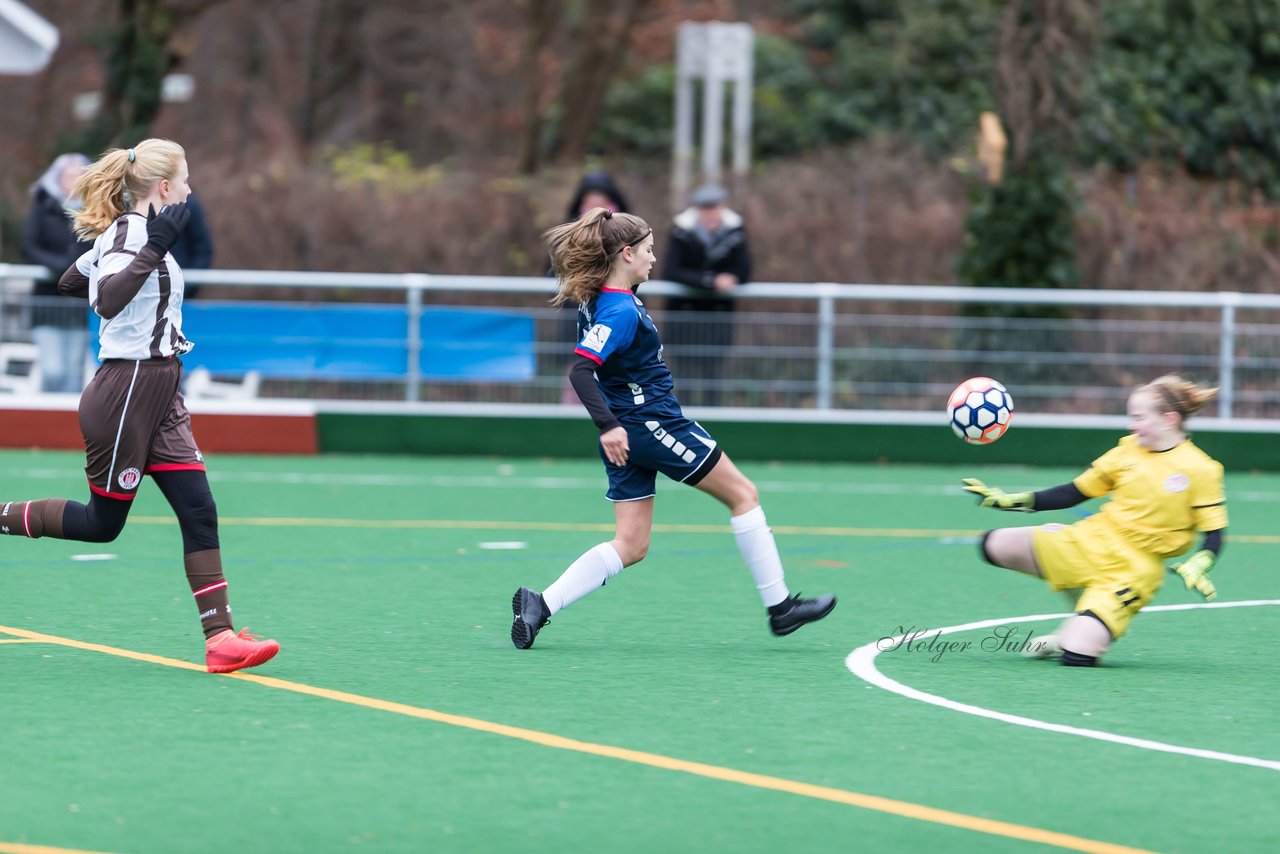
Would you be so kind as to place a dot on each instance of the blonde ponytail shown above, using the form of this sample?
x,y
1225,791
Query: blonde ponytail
x,y
120,177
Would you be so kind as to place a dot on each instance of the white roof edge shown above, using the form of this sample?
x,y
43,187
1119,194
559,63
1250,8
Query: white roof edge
x,y
30,24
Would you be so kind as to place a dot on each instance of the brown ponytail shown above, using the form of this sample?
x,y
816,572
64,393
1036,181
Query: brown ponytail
x,y
583,251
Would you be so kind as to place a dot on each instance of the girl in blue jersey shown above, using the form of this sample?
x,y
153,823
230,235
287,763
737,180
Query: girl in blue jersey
x,y
620,377
1162,489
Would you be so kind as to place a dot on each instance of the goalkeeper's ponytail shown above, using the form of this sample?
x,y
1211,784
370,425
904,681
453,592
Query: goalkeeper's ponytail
x,y
1184,397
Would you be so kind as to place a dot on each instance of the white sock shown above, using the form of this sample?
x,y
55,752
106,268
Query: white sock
x,y
759,550
585,574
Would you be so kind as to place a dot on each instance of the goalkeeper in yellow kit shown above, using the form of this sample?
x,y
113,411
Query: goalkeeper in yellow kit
x,y
1162,490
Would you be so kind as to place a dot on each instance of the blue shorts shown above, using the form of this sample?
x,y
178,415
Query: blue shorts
x,y
661,440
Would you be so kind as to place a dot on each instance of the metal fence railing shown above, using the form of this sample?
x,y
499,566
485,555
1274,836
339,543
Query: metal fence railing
x,y
824,346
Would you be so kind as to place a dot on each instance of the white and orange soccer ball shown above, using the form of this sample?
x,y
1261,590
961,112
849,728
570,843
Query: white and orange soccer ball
x,y
979,410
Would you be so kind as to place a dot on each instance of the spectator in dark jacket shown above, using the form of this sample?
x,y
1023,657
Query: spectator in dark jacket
x,y
706,251
59,324
194,249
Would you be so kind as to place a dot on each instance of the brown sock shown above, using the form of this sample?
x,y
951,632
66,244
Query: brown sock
x,y
204,574
42,518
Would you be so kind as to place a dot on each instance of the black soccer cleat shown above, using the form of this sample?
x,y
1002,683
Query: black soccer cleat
x,y
793,612
531,614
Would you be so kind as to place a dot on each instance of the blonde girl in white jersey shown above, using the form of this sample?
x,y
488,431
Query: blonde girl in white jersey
x,y
132,415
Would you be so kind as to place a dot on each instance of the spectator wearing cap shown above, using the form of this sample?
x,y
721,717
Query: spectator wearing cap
x,y
707,252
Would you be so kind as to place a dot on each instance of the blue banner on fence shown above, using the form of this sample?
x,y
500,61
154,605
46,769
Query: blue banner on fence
x,y
467,344
357,342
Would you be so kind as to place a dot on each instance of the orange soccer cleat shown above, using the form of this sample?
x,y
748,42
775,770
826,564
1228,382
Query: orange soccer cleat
x,y
227,651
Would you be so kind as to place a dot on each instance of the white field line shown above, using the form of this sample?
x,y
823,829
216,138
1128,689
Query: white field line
x,y
862,663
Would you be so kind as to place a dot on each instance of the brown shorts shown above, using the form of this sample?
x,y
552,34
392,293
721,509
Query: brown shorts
x,y
134,422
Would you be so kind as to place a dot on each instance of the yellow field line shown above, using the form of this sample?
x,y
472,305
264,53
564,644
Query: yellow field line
x,y
19,848
904,809
498,525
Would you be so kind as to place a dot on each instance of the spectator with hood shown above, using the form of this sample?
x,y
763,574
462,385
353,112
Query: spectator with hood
x,y
596,190
59,324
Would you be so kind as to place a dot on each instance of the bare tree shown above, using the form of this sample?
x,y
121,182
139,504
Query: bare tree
x,y
542,17
1043,45
332,63
600,43
150,38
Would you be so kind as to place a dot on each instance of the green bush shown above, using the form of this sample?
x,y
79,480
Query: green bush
x,y
920,69
1189,82
1192,82
1020,233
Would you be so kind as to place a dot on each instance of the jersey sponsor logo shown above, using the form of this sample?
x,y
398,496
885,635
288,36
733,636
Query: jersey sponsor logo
x,y
596,337
129,478
1177,483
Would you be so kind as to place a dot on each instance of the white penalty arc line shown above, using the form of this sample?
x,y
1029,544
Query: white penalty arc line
x,y
862,663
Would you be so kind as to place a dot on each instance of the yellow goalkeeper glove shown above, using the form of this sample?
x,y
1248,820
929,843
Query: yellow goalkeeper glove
x,y
998,498
1195,572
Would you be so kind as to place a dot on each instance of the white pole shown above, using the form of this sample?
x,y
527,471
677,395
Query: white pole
x,y
713,106
742,88
690,54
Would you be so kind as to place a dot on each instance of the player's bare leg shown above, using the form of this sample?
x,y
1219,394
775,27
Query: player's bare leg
x,y
1083,634
734,490
1011,548
1083,638
531,610
1050,645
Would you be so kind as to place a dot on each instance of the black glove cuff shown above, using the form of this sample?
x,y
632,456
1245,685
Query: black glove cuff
x,y
157,245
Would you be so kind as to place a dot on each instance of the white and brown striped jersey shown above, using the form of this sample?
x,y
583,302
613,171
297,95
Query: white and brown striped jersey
x,y
137,294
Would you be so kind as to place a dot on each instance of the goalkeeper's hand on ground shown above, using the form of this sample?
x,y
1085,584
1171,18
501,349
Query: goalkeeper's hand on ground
x,y
1195,572
990,496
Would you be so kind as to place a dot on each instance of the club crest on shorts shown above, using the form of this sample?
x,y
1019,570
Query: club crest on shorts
x,y
1177,483
129,479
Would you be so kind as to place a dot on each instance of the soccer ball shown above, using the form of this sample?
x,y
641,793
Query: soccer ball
x,y
979,410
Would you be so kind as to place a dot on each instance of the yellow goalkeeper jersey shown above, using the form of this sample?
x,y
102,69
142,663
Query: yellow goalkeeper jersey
x,y
1159,499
